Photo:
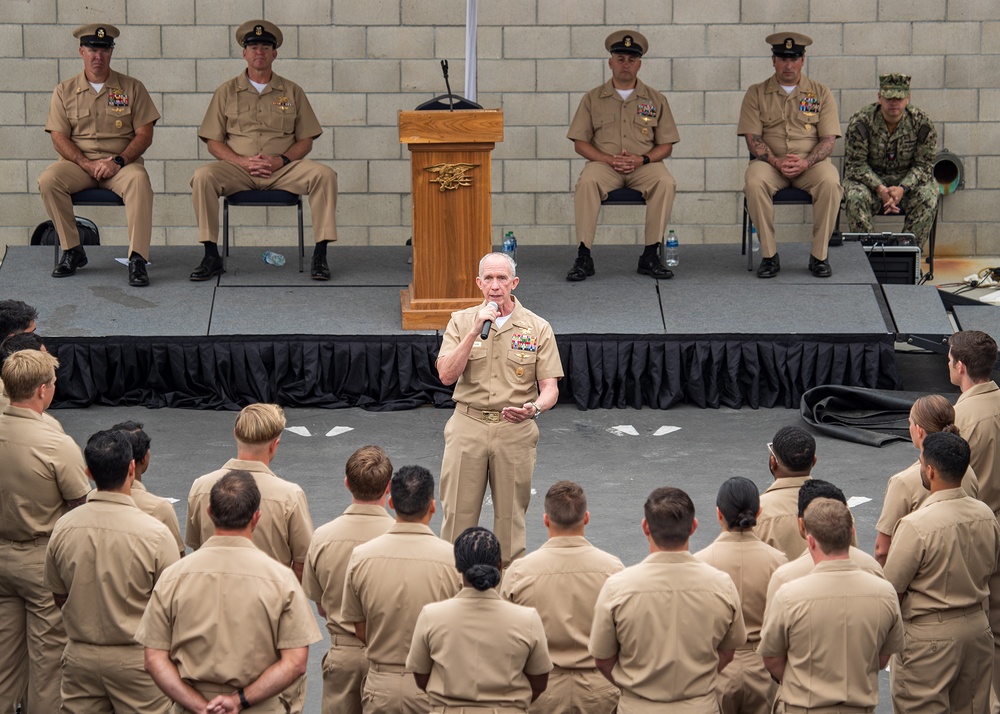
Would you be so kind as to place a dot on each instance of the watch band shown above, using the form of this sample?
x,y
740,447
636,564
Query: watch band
x,y
645,159
537,410
120,160
244,704
285,160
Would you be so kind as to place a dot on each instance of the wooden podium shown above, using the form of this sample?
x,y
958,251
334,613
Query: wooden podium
x,y
452,213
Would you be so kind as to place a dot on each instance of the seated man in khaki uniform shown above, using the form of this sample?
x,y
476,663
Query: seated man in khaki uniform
x,y
624,129
101,122
790,124
260,127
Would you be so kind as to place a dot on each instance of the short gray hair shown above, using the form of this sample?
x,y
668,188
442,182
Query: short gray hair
x,y
505,256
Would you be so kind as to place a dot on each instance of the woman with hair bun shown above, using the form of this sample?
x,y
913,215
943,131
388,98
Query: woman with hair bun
x,y
905,491
745,686
476,649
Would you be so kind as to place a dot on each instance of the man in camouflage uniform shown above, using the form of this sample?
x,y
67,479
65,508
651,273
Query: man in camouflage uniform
x,y
889,161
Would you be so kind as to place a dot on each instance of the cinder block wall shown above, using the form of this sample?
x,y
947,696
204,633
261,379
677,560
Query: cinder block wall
x,y
360,62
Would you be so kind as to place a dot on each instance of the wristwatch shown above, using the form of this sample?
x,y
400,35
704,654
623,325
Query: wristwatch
x,y
537,410
120,161
645,159
244,704
285,160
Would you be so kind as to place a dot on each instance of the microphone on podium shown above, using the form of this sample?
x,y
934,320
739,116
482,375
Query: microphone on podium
x,y
489,323
447,84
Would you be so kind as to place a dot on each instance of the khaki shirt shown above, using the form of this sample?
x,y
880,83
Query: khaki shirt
x,y
789,123
778,522
107,555
504,368
477,648
977,416
265,123
42,469
159,508
856,617
639,605
225,612
285,527
750,563
101,123
329,553
803,565
904,493
635,125
389,579
562,580
944,553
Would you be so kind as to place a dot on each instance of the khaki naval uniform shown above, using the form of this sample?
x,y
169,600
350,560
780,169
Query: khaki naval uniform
x,y
745,685
345,666
639,605
635,125
477,649
791,124
480,447
904,493
854,615
224,613
43,468
803,565
106,556
562,580
941,560
778,522
268,122
389,579
101,124
159,508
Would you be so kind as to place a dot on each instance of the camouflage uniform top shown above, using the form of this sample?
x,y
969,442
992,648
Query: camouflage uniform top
x,y
873,156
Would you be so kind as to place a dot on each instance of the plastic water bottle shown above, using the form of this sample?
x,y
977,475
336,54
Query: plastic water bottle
x,y
670,257
509,246
272,258
755,239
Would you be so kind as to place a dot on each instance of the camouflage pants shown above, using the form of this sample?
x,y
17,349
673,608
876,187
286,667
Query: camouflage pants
x,y
919,205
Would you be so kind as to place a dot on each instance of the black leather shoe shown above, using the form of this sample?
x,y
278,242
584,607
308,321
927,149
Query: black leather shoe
x,y
820,268
137,276
320,270
650,265
211,265
769,267
582,267
71,260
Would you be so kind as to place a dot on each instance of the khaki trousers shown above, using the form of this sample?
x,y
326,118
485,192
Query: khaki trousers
x,y
345,667
477,453
597,179
31,630
745,686
222,178
108,679
632,704
576,691
390,690
946,666
61,179
822,182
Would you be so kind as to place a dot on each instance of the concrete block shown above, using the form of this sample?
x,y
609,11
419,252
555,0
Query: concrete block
x,y
366,143
175,209
354,235
322,148
11,44
990,34
955,239
828,38
554,208
518,143
332,42
300,12
698,208
971,10
882,38
13,176
425,75
12,108
373,12
173,142
947,38
231,12
180,109
442,12
551,143
771,12
972,71
155,171
195,41
754,70
977,206
153,12
389,176
368,210
565,75
853,100
926,71
705,74
723,107
28,11
545,235
705,12
843,72
180,235
505,14
17,75
449,42
383,109
656,72
689,173
16,235
532,42
44,40
615,235
911,10
82,12
737,40
496,175
362,75
723,234
687,107
709,141
559,12
948,105
514,209
25,142
389,235
165,75
178,173
535,109
402,42
987,241
509,76
846,11
989,104
35,168
725,174
529,176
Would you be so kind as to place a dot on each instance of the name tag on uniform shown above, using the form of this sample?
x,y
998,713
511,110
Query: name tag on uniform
x,y
809,104
524,342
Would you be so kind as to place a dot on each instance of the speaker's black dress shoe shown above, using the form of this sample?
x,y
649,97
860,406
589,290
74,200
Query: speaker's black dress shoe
x,y
211,265
820,268
582,267
71,260
769,267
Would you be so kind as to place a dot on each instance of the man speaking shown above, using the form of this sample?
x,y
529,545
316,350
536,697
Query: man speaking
x,y
503,381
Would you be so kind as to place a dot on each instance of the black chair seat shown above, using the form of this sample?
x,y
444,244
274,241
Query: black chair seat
x,y
624,197
255,197
96,197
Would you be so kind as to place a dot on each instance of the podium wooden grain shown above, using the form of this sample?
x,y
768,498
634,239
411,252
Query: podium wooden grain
x,y
451,225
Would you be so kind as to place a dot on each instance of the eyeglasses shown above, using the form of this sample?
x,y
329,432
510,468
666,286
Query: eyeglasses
x,y
770,447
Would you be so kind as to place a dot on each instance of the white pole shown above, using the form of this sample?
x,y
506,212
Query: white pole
x,y
471,21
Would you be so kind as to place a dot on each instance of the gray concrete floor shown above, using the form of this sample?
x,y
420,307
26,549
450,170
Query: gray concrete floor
x,y
618,469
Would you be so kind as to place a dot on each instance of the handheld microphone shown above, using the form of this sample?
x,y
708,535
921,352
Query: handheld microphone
x,y
489,323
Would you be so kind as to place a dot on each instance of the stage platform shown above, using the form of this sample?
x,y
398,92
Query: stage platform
x,y
715,335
